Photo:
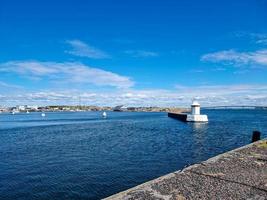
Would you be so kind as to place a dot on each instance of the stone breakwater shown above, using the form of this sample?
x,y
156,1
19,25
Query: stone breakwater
x,y
237,174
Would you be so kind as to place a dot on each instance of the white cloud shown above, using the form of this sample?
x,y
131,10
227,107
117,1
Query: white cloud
x,y
7,85
211,95
238,58
211,90
67,72
218,69
196,71
8,88
125,97
259,38
208,95
82,49
262,41
141,53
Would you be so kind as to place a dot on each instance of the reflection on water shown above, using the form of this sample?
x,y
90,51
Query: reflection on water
x,y
200,125
199,137
83,156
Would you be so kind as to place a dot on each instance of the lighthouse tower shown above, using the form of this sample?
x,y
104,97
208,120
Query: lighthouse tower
x,y
195,115
195,108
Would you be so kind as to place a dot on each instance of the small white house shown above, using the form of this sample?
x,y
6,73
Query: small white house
x,y
21,107
195,115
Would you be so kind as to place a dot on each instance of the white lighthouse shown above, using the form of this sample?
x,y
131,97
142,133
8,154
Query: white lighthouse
x,y
195,108
195,115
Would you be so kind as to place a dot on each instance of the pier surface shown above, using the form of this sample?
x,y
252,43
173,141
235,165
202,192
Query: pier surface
x,y
237,174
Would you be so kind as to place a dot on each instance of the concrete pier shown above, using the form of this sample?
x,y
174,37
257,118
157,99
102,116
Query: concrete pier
x,y
237,174
179,116
194,116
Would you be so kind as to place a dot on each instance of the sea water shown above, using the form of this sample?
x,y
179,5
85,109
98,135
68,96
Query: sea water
x,y
80,155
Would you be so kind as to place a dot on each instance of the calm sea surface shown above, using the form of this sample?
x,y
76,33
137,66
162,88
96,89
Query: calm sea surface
x,y
82,156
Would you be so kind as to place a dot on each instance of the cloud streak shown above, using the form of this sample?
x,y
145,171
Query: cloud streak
x,y
222,89
141,53
257,38
7,85
81,49
72,72
233,57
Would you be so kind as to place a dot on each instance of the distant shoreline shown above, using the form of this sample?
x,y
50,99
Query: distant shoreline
x,y
91,108
77,108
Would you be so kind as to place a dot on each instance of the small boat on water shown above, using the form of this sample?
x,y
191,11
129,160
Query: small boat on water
x,y
104,114
14,112
27,112
43,114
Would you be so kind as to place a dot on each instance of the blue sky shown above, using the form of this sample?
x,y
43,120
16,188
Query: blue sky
x,y
151,53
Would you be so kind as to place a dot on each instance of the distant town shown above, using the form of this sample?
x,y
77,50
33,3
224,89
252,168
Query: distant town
x,y
120,108
80,108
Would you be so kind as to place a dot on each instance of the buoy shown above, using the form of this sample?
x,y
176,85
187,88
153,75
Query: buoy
x,y
256,135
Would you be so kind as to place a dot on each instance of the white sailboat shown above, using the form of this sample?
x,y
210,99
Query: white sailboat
x,y
43,114
14,112
104,114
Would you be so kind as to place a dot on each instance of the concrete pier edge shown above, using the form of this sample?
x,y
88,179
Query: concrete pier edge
x,y
237,174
